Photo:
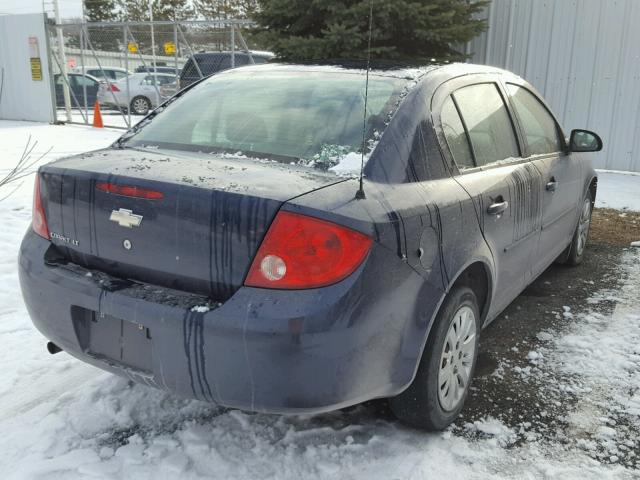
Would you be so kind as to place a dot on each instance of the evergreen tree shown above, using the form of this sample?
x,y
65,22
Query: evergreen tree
x,y
102,38
138,10
413,31
100,10
236,9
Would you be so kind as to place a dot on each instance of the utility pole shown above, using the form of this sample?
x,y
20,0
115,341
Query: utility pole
x,y
63,63
153,41
153,52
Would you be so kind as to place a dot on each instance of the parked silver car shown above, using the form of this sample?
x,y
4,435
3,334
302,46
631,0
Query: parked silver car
x,y
144,92
103,73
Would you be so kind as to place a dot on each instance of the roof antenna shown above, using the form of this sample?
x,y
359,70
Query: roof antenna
x,y
360,192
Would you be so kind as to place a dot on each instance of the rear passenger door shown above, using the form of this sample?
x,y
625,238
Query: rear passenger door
x,y
150,88
480,135
561,187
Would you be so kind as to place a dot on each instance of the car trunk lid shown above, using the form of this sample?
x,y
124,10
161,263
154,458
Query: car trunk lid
x,y
200,236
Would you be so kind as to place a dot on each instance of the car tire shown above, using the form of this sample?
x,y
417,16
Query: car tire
x,y
140,105
577,247
437,394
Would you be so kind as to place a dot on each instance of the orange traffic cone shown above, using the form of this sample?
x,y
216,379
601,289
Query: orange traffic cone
x,y
97,116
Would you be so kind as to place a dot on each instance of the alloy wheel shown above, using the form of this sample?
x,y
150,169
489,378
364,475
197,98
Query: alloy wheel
x,y
140,106
583,226
456,360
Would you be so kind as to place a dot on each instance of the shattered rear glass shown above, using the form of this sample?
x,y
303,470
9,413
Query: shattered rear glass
x,y
306,117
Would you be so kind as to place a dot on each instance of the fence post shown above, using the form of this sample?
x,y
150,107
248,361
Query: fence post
x,y
246,47
175,54
63,67
195,63
144,65
84,70
233,45
125,44
104,75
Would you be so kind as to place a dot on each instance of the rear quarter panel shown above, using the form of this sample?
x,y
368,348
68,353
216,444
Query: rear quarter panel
x,y
428,230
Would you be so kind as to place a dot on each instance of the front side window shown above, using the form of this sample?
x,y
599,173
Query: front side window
x,y
239,60
157,80
540,129
455,135
487,120
81,81
309,118
164,79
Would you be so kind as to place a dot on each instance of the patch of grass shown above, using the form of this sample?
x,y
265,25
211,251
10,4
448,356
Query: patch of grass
x,y
614,227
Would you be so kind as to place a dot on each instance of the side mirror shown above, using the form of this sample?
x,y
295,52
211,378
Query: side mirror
x,y
584,141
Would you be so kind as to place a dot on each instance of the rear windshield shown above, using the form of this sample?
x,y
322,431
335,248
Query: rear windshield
x,y
309,118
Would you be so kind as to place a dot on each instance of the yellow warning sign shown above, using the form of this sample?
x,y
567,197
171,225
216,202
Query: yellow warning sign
x,y
132,47
36,69
169,48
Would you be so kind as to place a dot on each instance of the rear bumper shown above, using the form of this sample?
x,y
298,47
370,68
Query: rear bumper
x,y
262,350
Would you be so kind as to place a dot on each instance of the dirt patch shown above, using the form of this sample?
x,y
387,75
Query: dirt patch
x,y
511,383
615,227
508,380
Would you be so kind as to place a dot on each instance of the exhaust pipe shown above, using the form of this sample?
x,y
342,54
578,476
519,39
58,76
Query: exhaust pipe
x,y
52,348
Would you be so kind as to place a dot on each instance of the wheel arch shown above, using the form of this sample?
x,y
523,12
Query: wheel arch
x,y
477,276
592,187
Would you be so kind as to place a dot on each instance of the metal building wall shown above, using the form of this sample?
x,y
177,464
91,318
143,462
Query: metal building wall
x,y
583,56
21,97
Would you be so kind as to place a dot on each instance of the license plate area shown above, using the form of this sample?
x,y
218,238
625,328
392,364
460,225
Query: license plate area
x,y
121,341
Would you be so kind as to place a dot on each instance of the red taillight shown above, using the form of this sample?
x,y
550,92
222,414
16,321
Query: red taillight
x,y
113,88
39,219
129,191
304,252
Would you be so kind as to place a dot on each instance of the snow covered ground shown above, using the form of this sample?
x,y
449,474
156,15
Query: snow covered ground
x,y
618,190
60,418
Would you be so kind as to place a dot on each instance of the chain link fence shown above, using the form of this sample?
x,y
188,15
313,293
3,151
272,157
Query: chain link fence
x,y
129,68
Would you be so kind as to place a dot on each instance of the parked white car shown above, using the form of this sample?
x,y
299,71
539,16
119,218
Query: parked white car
x,y
145,91
105,73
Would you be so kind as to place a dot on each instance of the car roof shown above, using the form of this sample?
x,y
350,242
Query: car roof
x,y
226,53
96,67
78,74
407,73
436,72
157,74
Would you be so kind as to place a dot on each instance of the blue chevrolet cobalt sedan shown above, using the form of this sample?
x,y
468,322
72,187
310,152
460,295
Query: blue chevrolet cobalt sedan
x,y
229,248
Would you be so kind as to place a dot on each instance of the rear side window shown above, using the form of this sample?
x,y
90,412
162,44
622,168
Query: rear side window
x,y
487,120
455,135
540,129
190,69
208,64
163,79
240,60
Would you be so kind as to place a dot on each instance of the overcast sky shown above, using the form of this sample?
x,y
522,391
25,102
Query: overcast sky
x,y
68,8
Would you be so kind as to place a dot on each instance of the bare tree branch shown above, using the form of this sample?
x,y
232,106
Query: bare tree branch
x,y
23,168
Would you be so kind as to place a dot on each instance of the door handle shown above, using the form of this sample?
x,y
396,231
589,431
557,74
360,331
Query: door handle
x,y
552,185
497,208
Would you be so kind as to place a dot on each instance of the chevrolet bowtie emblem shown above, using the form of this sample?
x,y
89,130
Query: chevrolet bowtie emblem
x,y
126,218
